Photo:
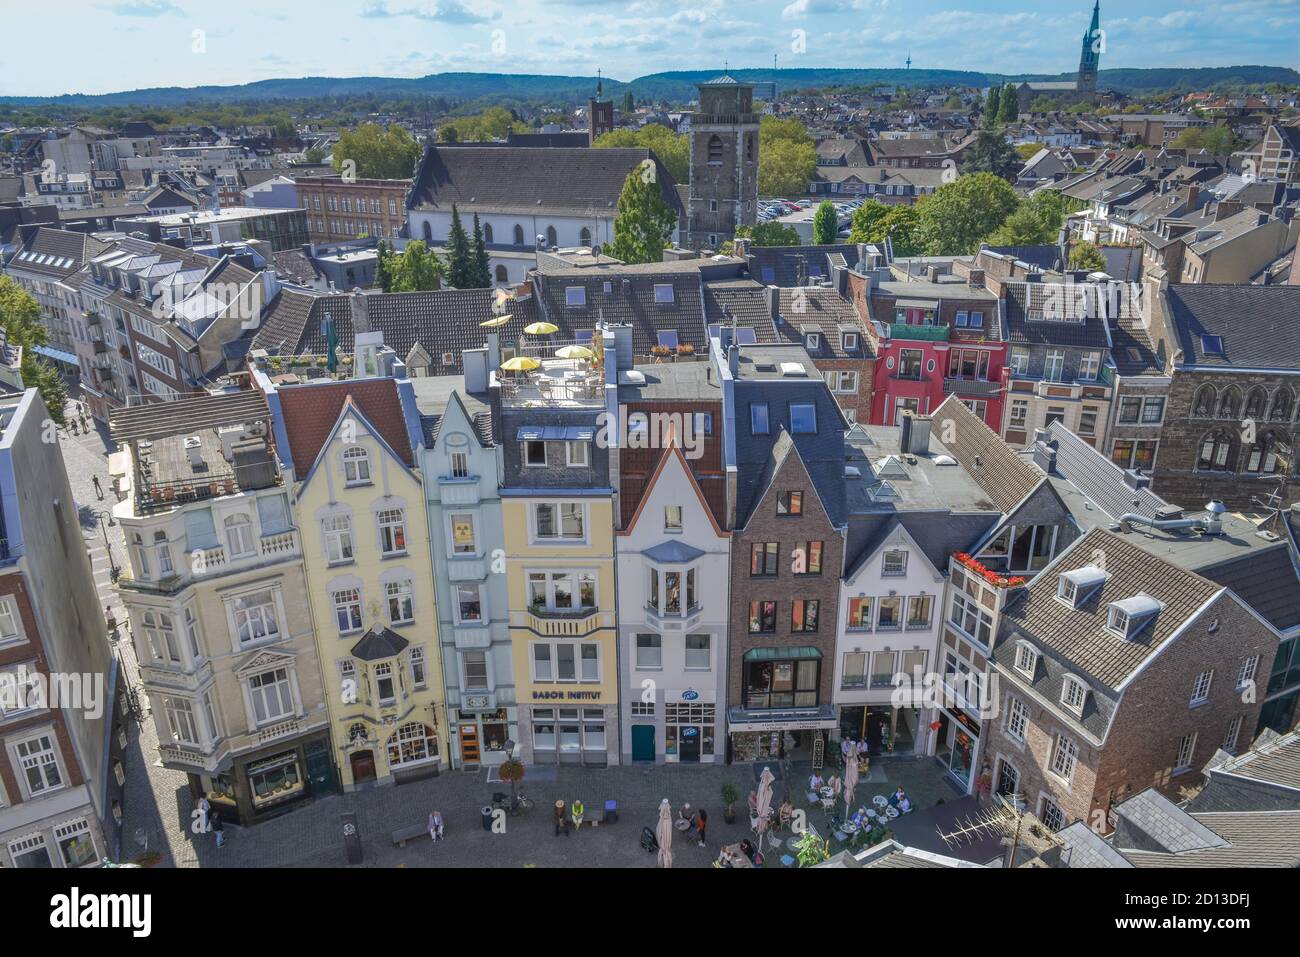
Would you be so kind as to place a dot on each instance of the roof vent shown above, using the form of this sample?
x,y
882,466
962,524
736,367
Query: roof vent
x,y
793,369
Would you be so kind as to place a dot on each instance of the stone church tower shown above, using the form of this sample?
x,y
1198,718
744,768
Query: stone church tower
x,y
723,189
1091,55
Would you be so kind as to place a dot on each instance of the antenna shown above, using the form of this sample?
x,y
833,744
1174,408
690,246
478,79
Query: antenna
x,y
909,59
1008,819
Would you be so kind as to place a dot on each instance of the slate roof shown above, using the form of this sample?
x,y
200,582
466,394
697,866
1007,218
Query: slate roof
x,y
795,265
1252,839
1078,636
433,394
1085,848
379,643
1026,304
1274,762
310,412
744,299
822,310
1131,350
523,180
293,265
1267,583
1003,475
55,252
1257,324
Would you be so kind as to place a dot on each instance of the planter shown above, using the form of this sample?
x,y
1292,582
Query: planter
x,y
996,579
729,816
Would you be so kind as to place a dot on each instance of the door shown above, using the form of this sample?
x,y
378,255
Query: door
x,y
469,751
643,742
363,767
320,769
689,745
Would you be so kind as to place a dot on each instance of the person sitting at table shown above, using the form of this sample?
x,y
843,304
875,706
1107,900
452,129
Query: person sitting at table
x,y
726,858
899,800
862,748
785,814
815,782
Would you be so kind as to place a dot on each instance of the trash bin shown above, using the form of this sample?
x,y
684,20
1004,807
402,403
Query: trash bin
x,y
487,817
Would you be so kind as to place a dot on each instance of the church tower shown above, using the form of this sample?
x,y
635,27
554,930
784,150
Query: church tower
x,y
600,112
1091,56
723,189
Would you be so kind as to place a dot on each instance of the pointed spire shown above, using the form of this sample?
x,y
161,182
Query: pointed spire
x,y
600,84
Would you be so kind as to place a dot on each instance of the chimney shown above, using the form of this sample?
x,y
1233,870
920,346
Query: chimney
x,y
1045,455
932,273
1136,480
1193,192
915,437
741,247
975,279
360,313
840,277
733,359
194,449
773,301
475,362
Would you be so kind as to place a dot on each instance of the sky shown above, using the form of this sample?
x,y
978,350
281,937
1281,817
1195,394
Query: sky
x,y
102,46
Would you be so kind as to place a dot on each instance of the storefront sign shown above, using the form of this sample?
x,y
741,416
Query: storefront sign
x,y
690,694
566,695
690,732
801,724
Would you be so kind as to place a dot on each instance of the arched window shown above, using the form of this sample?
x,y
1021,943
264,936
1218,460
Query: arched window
x,y
1218,452
519,235
1229,402
412,743
551,238
715,150
1280,410
1270,454
502,277
487,232
1204,405
239,536
428,232
1256,402
584,237
356,465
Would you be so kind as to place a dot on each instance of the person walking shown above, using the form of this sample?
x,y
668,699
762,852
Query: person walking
x,y
218,828
701,822
99,490
561,819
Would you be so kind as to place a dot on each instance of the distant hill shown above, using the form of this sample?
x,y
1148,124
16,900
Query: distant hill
x,y
675,86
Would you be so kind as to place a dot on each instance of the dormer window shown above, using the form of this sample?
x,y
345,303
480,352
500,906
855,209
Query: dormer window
x,y
1026,659
1128,617
1073,587
894,564
814,341
850,341
1073,693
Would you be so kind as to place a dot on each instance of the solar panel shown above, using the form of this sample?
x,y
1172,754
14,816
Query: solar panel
x,y
745,336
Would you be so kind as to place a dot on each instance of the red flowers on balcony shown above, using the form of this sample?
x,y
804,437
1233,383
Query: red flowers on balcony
x,y
996,579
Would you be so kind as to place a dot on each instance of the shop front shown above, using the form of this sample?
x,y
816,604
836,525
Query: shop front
x,y
481,735
267,782
957,745
885,728
569,727
778,734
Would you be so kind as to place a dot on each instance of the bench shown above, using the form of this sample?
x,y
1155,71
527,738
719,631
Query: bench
x,y
404,834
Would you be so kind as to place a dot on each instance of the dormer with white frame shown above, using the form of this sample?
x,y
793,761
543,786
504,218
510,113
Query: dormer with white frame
x,y
1129,616
1075,587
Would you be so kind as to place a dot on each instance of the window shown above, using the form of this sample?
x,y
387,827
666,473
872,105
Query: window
x,y
1153,411
1064,757
919,611
411,744
239,536
758,423
889,613
762,617
1134,454
1201,688
9,630
789,503
1089,366
849,343
1055,413
542,670
807,558
663,292
392,531
1017,719
1231,735
1052,816
584,236
1247,673
894,564
859,614
803,419
1088,422
563,520
966,615
347,610
1026,660
1019,413
1217,454
649,651
697,653
855,670
781,683
356,465
763,558
1020,361
40,765
672,518
1186,751
180,720
192,633
1073,693
462,533
255,616
474,668
271,696
575,295
469,605
909,364
160,631
715,151
337,530
575,454
519,235
534,453
76,845
385,687
401,603
804,615
555,591
1054,366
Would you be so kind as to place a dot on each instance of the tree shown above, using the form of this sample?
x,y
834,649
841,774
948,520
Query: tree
x,y
1042,104
1028,151
644,220
418,269
482,271
774,234
459,266
671,149
512,770
315,156
874,222
952,103
628,105
1009,109
1035,222
826,224
992,107
384,267
447,133
1085,255
991,153
1219,140
787,159
20,318
956,216
377,153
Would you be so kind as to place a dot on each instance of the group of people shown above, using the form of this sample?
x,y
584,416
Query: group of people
x,y
689,821
575,815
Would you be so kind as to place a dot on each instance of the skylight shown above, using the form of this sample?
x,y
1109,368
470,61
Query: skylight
x,y
1212,345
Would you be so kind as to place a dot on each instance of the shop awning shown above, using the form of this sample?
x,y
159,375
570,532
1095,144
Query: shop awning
x,y
794,719
772,654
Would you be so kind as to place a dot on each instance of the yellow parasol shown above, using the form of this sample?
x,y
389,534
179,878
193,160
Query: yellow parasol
x,y
496,321
520,364
574,352
541,328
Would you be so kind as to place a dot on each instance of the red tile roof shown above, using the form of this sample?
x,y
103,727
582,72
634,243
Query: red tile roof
x,y
310,412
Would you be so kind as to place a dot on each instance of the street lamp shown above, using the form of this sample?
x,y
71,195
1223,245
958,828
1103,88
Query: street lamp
x,y
113,571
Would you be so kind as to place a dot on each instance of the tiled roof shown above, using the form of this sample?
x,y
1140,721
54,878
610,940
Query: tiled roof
x,y
795,265
818,309
631,299
1004,476
310,412
56,252
1252,839
1028,301
744,299
1276,762
1079,636
529,179
1132,350
1256,324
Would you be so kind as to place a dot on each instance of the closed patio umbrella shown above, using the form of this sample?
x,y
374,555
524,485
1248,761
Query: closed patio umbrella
x,y
850,781
764,802
664,834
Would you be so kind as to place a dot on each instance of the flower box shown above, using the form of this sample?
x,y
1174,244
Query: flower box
x,y
996,579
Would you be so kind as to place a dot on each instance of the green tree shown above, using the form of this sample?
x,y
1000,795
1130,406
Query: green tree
x,y
1028,151
315,156
826,224
992,107
377,153
644,221
384,267
991,153
418,269
1009,109
1085,255
459,254
874,222
956,216
671,149
482,273
787,159
774,234
628,105
952,103
20,317
1219,140
447,133
1042,104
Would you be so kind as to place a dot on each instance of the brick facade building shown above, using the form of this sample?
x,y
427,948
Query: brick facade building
x,y
337,210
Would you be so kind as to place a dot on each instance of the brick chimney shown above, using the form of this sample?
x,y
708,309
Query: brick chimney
x,y
975,279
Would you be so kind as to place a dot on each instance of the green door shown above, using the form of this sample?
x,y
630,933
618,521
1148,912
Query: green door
x,y
320,769
643,742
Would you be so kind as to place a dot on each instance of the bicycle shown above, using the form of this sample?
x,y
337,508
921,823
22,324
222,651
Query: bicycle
x,y
522,803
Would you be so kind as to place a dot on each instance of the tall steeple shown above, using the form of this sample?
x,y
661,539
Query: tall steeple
x,y
1089,59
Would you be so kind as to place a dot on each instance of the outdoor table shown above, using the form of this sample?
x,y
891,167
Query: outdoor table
x,y
891,813
880,800
738,856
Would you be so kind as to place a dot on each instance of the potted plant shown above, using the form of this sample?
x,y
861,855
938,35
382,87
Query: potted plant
x,y
660,351
685,349
512,770
729,797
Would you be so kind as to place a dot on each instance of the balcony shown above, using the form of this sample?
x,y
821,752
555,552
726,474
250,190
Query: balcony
x,y
100,347
901,330
159,677
281,730
562,624
673,621
459,491
978,388
279,544
92,318
466,569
